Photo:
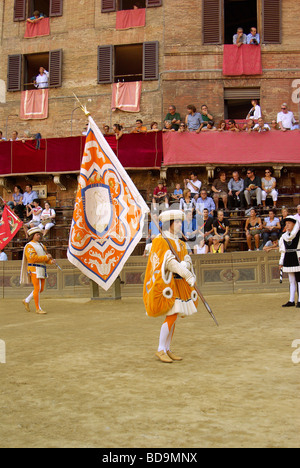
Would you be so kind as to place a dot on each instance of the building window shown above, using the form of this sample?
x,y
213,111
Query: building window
x,y
237,102
22,69
113,5
24,9
238,14
131,62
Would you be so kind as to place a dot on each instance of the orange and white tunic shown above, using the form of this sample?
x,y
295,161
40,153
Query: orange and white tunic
x,y
34,260
165,291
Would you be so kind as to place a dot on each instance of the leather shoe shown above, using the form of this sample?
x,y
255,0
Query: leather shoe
x,y
289,304
163,357
298,305
26,305
173,356
40,311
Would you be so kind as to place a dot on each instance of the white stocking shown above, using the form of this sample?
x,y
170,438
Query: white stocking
x,y
28,299
293,286
169,339
163,337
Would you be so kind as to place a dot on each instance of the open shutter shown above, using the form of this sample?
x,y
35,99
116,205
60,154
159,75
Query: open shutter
x,y
14,72
271,21
55,68
212,21
56,8
150,60
153,3
105,61
19,10
108,5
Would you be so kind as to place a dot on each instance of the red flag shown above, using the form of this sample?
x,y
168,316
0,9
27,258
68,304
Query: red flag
x,y
9,226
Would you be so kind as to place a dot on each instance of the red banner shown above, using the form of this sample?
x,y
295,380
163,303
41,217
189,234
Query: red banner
x,y
34,104
126,19
38,28
243,60
9,226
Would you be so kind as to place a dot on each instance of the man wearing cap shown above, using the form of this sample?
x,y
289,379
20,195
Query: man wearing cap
x,y
168,285
33,269
289,247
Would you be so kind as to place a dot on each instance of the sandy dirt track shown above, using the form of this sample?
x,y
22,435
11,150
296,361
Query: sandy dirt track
x,y
85,375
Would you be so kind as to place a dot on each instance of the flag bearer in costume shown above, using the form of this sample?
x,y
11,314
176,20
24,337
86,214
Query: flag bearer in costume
x,y
168,286
289,247
33,270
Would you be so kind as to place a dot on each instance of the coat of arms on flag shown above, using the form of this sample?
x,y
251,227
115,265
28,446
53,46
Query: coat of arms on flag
x,y
109,213
9,226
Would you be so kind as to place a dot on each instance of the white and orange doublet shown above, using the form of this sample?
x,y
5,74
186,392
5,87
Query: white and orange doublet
x,y
165,291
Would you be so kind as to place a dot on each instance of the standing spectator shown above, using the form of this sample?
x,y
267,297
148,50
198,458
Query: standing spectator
x,y
139,128
182,127
160,195
252,187
255,111
206,116
239,38
193,184
236,192
193,119
47,219
253,37
286,120
187,202
221,229
271,225
253,229
118,131
154,127
268,185
261,126
41,81
249,126
173,117
204,202
220,189
1,136
233,126
14,136
273,125
37,16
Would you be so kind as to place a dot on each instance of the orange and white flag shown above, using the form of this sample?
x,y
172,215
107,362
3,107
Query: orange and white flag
x,y
109,213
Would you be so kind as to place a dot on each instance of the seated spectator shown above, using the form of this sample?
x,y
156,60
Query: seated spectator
x,y
193,184
153,230
286,120
284,214
236,197
189,229
255,111
118,131
253,229
204,202
154,127
41,80
187,202
1,136
201,247
177,194
182,127
206,228
253,38
297,215
193,119
14,136
210,127
216,246
206,116
268,186
173,117
261,126
220,189
17,201
37,16
160,195
249,126
233,126
273,125
35,211
271,244
139,128
271,225
252,187
239,38
222,127
47,219
168,126
3,256
29,195
221,229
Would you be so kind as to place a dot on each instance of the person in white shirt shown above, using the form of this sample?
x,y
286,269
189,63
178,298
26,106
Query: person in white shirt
x,y
255,111
47,219
193,184
297,215
286,120
253,37
3,256
42,78
261,126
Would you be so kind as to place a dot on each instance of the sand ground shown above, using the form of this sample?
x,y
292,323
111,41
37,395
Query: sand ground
x,y
85,375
